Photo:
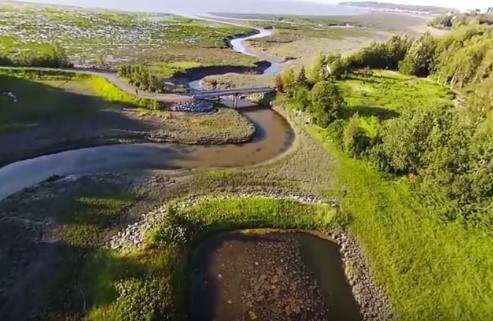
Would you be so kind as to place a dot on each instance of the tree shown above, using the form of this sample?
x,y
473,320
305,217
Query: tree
x,y
316,72
278,83
326,102
302,98
301,80
354,139
420,59
289,81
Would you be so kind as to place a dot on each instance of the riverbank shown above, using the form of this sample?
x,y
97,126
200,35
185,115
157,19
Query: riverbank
x,y
62,112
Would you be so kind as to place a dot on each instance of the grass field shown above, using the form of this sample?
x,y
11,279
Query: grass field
x,y
48,97
432,269
39,103
384,94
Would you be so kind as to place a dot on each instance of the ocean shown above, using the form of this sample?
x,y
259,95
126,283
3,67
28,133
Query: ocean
x,y
202,7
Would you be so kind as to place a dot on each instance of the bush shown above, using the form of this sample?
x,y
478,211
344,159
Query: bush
x,y
141,77
355,141
302,98
143,300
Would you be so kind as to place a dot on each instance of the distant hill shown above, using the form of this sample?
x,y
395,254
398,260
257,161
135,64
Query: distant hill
x,y
399,7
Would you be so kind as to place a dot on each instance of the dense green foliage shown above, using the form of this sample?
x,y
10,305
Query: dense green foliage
x,y
141,77
326,102
321,97
425,219
439,145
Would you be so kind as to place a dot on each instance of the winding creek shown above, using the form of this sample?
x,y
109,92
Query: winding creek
x,y
272,138
318,260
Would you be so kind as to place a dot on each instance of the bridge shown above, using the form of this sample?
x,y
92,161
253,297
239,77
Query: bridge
x,y
235,92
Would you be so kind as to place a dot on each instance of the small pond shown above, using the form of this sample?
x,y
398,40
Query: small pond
x,y
269,275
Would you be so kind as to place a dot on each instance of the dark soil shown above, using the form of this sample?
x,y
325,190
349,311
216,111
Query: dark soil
x,y
269,277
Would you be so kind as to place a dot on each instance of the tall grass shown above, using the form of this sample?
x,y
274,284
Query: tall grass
x,y
110,93
432,269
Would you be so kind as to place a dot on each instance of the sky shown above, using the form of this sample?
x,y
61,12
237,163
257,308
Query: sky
x,y
460,4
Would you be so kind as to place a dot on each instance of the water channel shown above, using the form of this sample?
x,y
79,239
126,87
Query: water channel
x,y
272,138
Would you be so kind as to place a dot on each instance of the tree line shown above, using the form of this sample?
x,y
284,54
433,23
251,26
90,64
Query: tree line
x,y
140,76
449,149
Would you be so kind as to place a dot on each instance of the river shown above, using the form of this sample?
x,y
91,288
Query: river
x,y
273,137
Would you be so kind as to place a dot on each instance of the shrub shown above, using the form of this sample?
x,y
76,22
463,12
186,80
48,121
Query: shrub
x,y
143,300
354,140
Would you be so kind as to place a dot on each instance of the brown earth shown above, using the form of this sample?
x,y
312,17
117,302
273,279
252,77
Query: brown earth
x,y
268,277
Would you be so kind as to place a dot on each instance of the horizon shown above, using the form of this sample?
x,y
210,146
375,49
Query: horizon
x,y
472,4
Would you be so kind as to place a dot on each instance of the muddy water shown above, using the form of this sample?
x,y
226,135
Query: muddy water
x,y
273,137
238,45
269,276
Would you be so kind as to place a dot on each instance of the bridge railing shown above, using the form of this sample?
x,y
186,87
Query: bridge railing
x,y
230,92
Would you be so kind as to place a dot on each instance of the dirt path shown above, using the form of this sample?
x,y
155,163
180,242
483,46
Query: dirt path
x,y
113,78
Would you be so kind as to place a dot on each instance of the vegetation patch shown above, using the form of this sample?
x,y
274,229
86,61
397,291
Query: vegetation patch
x,y
412,175
100,284
49,248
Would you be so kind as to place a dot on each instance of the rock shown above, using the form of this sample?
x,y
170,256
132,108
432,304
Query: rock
x,y
252,315
195,106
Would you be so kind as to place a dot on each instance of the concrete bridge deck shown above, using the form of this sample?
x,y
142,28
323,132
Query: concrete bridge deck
x,y
231,92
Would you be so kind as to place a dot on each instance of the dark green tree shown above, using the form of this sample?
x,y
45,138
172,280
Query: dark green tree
x,y
301,79
326,102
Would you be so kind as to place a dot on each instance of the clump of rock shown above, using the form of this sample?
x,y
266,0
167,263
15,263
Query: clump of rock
x,y
373,302
194,106
10,95
132,237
